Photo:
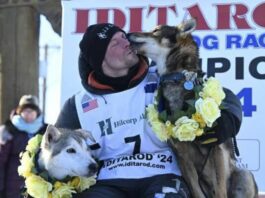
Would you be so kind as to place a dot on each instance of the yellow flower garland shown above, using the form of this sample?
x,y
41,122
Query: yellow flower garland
x,y
37,186
186,128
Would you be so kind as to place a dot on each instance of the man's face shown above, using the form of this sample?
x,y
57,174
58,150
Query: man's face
x,y
119,57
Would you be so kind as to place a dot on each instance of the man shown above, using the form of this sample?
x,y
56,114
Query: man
x,y
118,85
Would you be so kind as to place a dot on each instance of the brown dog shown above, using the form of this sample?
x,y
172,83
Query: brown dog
x,y
209,172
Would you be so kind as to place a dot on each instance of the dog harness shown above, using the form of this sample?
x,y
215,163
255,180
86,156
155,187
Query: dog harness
x,y
125,143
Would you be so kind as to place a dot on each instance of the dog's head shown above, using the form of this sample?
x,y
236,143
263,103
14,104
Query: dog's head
x,y
177,57
65,153
172,48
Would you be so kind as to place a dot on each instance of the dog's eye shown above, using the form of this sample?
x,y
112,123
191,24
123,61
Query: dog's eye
x,y
71,150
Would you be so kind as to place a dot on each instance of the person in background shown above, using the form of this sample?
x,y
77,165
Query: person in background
x,y
118,85
25,122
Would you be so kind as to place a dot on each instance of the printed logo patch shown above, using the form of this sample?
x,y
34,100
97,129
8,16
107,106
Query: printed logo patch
x,y
88,103
102,35
104,32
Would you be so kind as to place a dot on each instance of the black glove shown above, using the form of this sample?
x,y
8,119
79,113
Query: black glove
x,y
209,138
227,126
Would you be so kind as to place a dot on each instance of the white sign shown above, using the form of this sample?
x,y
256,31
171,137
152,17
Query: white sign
x,y
231,37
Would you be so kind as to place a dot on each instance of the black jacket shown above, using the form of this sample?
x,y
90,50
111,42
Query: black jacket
x,y
11,183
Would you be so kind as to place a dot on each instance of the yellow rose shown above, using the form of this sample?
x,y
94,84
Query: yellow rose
x,y
152,114
63,191
26,165
185,129
169,128
213,89
180,121
75,182
199,132
86,182
160,130
157,126
208,109
198,118
82,183
37,187
57,184
34,144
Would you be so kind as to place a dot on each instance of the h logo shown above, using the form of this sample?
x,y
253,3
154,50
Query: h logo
x,y
105,127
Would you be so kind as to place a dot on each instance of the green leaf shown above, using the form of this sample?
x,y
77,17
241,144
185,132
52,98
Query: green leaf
x,y
163,116
44,175
197,89
191,110
190,102
178,114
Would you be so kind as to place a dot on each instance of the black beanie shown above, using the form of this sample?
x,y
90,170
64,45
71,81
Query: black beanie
x,y
95,42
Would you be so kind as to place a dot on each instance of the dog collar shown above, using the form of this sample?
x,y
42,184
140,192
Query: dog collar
x,y
177,77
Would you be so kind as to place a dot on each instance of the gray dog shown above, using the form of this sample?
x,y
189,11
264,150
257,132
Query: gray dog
x,y
65,153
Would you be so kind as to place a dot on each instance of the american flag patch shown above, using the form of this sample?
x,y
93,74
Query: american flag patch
x,y
88,103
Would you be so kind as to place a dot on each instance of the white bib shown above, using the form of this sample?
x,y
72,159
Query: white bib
x,y
125,141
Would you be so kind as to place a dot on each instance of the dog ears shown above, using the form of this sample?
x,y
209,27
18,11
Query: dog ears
x,y
87,135
186,27
52,134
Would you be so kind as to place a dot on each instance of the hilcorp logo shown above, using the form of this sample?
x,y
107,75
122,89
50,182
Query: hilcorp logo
x,y
226,15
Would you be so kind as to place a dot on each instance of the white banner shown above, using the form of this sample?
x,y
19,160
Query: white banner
x,y
231,37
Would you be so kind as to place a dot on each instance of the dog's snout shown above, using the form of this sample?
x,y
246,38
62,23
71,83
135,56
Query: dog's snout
x,y
128,35
131,38
93,167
